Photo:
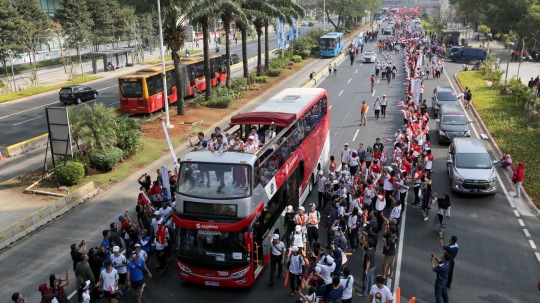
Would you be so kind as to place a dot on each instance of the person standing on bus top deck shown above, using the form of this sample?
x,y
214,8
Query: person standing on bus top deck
x,y
251,147
301,219
321,190
255,136
314,218
270,133
345,154
200,146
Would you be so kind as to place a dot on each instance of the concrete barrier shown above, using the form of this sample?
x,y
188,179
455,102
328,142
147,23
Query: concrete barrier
x,y
27,145
28,224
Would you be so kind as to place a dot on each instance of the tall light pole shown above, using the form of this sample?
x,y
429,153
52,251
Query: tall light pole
x,y
11,58
163,75
323,16
510,46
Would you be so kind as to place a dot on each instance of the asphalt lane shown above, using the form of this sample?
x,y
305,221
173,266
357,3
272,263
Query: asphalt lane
x,y
22,120
496,262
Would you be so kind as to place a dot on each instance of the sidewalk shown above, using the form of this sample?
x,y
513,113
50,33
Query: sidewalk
x,y
27,206
55,75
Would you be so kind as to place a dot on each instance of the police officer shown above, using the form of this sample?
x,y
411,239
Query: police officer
x,y
277,257
442,269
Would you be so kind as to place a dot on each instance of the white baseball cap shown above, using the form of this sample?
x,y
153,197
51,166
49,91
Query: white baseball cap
x,y
251,138
329,260
318,269
138,245
86,284
116,249
157,213
298,228
301,208
289,208
346,144
295,248
275,237
321,172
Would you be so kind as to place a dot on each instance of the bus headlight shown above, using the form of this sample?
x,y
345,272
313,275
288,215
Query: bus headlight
x,y
184,268
239,274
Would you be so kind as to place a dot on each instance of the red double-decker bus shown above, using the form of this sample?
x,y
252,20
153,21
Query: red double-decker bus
x,y
142,92
223,226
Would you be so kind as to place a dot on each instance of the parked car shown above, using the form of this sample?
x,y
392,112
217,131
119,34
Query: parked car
x,y
443,95
451,123
234,58
470,167
77,94
305,23
387,30
369,57
311,23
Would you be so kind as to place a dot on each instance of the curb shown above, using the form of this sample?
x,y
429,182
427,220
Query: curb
x,y
534,209
32,222
27,145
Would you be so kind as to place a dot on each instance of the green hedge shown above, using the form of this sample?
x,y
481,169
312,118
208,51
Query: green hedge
x,y
297,59
128,135
69,174
218,102
304,54
239,82
105,160
261,79
274,72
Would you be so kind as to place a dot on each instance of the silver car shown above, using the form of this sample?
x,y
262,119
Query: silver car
x,y
369,57
470,167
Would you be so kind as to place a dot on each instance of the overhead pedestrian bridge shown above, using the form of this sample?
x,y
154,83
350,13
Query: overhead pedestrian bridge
x,y
409,3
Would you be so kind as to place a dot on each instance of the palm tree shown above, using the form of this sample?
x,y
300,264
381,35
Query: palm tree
x,y
174,35
229,11
94,125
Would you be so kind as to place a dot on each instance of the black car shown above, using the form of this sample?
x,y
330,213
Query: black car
x,y
234,58
311,23
443,96
77,94
451,123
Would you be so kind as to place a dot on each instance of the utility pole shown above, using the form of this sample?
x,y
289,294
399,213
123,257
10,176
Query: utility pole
x,y
163,75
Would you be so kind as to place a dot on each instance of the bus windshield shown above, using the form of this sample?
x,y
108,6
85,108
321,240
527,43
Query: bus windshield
x,y
131,88
211,245
328,43
199,180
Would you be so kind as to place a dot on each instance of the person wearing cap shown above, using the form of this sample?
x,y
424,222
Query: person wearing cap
x,y
251,147
321,189
290,224
296,266
314,218
301,219
277,258
452,249
441,268
114,236
83,292
345,154
384,102
119,263
327,265
155,224
141,253
108,281
135,274
298,238
18,298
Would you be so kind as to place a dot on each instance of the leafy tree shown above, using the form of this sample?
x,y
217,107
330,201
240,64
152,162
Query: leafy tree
x,y
93,126
10,22
76,22
346,10
103,13
32,30
230,11
55,30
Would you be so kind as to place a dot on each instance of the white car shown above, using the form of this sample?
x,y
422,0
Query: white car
x,y
369,57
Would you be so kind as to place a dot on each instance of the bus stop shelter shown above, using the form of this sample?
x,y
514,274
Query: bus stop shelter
x,y
118,57
451,37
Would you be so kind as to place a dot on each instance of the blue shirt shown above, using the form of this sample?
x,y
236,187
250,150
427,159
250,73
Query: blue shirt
x,y
452,249
335,295
105,243
361,154
146,247
136,269
442,270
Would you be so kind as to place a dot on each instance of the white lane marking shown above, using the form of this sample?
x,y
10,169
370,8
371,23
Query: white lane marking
x,y
521,222
357,70
28,120
527,234
537,256
373,94
340,93
516,213
330,107
531,242
114,103
349,80
355,134
37,107
397,272
378,80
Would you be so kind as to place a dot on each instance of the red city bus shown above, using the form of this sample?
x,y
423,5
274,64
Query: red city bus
x,y
143,92
223,228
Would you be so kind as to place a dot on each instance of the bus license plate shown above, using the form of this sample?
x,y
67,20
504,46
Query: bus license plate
x,y
211,283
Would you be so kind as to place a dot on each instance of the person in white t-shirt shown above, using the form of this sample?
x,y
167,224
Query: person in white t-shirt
x,y
345,154
269,134
108,281
380,204
347,282
119,263
379,292
321,190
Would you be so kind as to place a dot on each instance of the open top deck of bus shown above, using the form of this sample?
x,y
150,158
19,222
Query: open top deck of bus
x,y
215,157
282,109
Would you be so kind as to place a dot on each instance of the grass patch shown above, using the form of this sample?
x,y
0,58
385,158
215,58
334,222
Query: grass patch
x,y
169,58
45,88
510,127
429,25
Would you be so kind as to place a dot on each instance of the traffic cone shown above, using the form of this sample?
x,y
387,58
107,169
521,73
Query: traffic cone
x,y
1,157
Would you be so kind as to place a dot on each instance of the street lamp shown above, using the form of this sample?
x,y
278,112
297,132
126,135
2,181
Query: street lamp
x,y
163,75
323,17
510,46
